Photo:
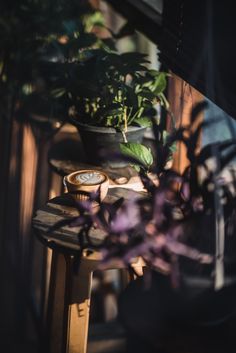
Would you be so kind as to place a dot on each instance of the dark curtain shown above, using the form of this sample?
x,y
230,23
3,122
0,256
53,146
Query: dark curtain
x,y
198,44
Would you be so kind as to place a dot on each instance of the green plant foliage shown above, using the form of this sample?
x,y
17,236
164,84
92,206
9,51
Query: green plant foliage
x,y
50,52
37,36
138,152
111,89
173,146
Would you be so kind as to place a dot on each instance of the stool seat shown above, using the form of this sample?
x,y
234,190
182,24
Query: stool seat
x,y
67,309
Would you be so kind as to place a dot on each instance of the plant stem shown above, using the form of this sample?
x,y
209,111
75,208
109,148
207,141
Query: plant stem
x,y
125,120
165,101
124,136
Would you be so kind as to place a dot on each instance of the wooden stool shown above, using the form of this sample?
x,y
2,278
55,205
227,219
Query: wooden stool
x,y
67,308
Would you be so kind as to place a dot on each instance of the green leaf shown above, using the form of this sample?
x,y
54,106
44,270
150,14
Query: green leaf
x,y
126,30
108,43
144,121
90,20
132,69
146,93
58,92
139,152
113,60
83,89
134,57
153,73
112,112
160,84
131,97
173,146
142,80
165,135
84,41
69,26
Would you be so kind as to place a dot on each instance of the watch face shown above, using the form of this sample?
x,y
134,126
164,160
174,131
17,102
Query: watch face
x,y
89,178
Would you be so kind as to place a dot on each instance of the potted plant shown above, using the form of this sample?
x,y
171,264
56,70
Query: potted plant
x,y
59,33
160,216
112,99
164,210
183,227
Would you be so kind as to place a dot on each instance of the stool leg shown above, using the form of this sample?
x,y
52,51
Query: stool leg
x,y
138,267
68,304
57,313
80,304
78,320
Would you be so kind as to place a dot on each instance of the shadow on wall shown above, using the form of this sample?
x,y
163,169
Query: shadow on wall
x,y
223,126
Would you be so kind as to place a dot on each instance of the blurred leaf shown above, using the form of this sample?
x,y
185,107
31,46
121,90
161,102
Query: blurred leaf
x,y
58,92
134,57
126,30
83,89
131,97
93,19
146,93
142,80
108,43
132,69
70,26
84,41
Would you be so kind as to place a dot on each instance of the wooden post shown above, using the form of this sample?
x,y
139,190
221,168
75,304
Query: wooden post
x,y
182,98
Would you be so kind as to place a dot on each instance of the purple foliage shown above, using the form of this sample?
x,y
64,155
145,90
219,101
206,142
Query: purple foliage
x,y
154,227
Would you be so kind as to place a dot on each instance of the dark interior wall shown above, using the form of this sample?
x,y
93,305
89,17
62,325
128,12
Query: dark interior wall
x,y
198,44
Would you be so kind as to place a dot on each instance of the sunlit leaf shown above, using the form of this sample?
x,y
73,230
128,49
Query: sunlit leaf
x,y
160,83
144,121
138,151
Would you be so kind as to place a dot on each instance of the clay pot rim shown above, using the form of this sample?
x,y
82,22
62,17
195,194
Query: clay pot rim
x,y
104,129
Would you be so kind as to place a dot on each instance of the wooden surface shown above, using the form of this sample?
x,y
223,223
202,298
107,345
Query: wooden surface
x,y
67,156
62,207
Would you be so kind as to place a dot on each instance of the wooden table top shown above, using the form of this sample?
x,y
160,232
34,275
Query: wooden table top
x,y
62,207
